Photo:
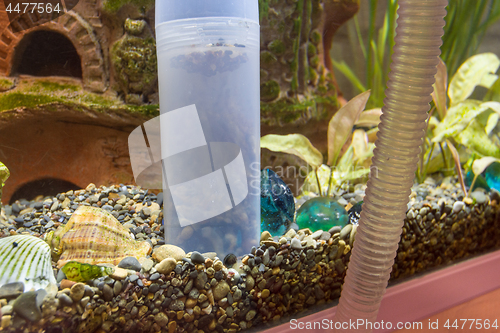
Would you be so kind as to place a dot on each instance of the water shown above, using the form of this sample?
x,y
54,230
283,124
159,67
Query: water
x,y
210,134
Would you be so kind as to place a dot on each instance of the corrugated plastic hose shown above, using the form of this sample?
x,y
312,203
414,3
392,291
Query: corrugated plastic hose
x,y
401,131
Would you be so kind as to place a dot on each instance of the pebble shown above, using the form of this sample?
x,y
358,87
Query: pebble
x,y
317,234
107,293
130,263
201,280
65,299
117,288
221,289
12,289
218,265
166,266
25,306
295,244
290,233
265,257
7,310
345,231
250,315
6,321
335,229
84,301
77,291
161,319
271,269
457,206
197,258
147,264
67,283
479,196
119,274
168,251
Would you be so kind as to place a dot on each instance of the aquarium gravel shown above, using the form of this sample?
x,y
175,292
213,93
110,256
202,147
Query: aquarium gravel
x,y
174,291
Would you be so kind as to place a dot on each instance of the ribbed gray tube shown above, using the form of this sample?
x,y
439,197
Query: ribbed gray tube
x,y
416,51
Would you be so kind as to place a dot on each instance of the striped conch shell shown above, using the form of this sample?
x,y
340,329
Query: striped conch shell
x,y
25,259
94,236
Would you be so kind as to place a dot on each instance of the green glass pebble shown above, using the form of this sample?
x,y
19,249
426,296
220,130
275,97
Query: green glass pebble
x,y
480,181
492,175
321,213
277,205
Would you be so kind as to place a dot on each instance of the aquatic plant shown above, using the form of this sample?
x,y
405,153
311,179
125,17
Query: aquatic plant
x,y
466,25
490,166
466,123
375,51
344,164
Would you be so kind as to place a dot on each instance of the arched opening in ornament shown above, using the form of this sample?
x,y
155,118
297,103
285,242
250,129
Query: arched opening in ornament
x,y
46,53
44,187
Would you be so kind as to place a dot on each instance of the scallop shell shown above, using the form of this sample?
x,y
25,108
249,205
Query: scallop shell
x,y
94,236
25,259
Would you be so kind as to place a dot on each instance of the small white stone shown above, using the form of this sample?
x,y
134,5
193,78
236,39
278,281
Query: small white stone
x,y
317,234
457,206
290,233
295,244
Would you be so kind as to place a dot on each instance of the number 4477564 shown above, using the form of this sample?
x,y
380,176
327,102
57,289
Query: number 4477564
x,y
39,7
471,324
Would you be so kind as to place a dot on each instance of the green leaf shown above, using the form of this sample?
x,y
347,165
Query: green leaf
x,y
458,118
479,165
295,144
495,106
471,74
349,74
359,143
439,93
488,80
436,162
493,93
369,118
492,123
4,174
475,138
311,183
345,163
340,126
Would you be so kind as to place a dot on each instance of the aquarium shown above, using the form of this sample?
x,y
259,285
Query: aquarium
x,y
405,177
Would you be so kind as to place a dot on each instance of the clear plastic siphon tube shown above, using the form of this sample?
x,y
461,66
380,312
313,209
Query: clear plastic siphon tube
x,y
401,131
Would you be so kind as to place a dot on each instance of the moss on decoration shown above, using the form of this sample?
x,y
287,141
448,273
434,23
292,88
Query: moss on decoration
x,y
134,60
269,91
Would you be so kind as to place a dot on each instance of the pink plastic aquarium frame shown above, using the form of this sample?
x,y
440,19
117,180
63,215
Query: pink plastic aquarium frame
x,y
425,296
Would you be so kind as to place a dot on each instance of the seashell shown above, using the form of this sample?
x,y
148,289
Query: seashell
x,y
94,236
210,296
80,272
25,259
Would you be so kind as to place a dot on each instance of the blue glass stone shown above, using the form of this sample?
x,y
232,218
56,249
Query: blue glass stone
x,y
492,176
355,213
277,205
321,213
480,181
